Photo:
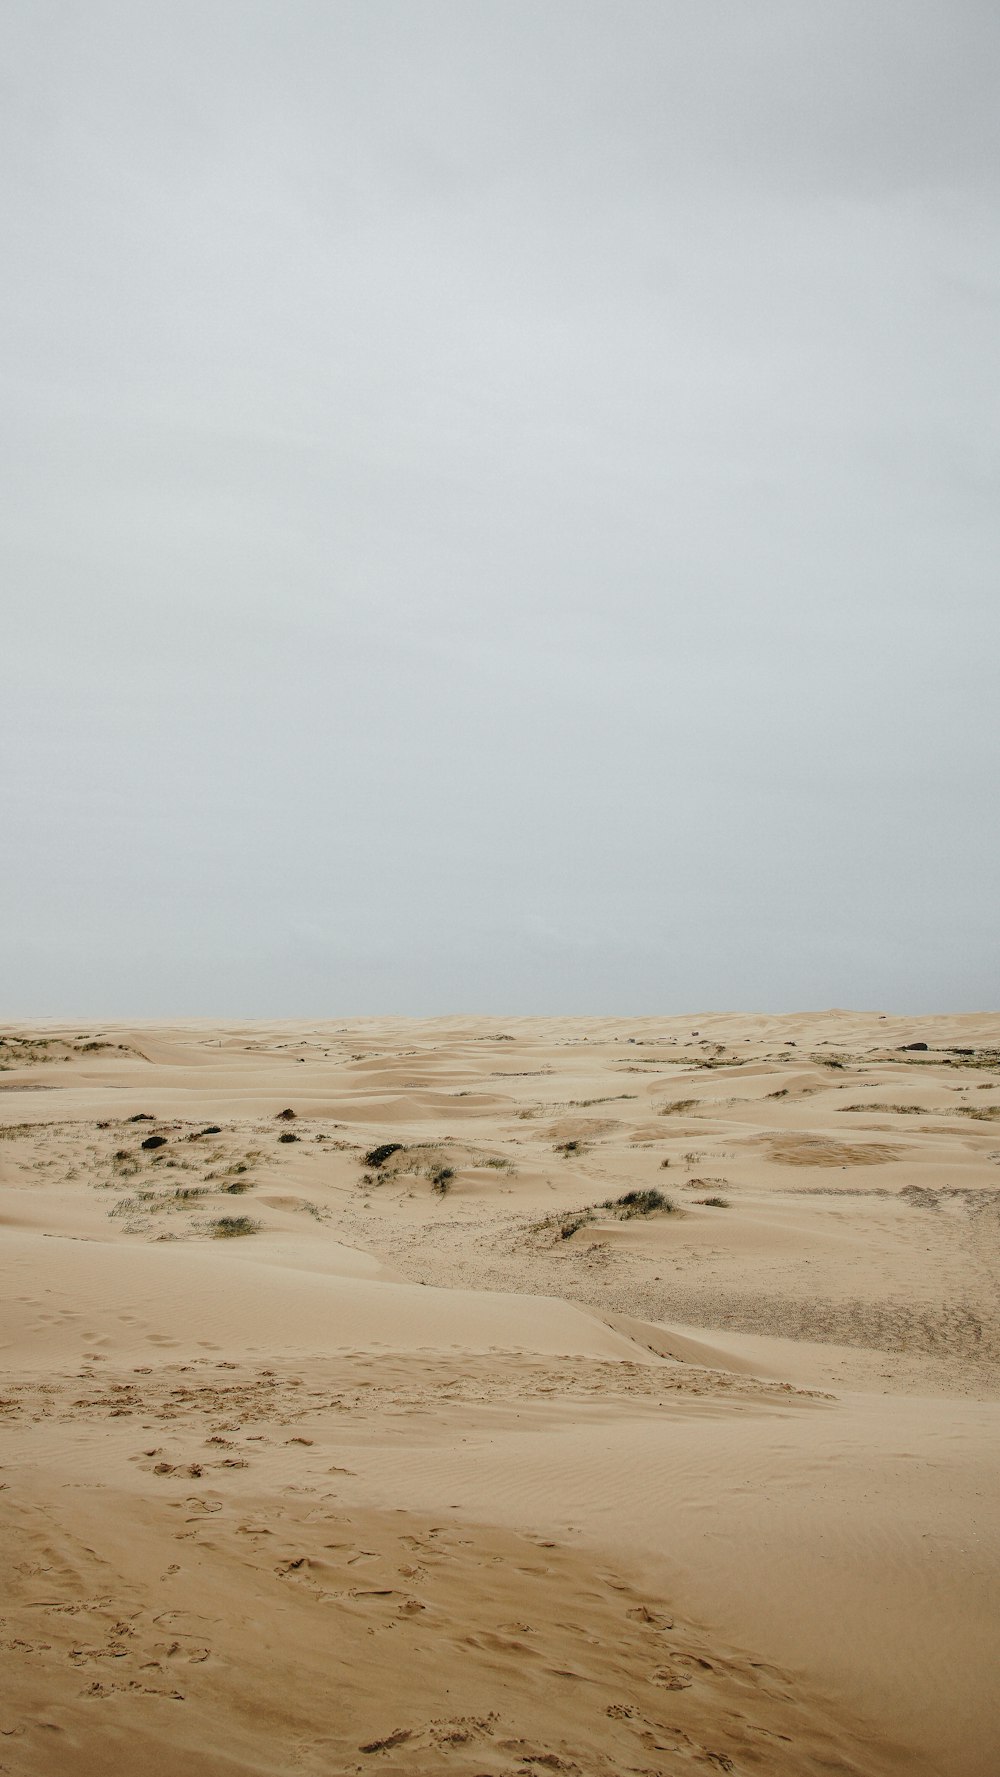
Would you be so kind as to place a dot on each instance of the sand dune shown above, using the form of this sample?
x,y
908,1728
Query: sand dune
x,y
444,1459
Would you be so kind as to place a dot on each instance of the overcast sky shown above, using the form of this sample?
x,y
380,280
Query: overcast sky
x,y
500,505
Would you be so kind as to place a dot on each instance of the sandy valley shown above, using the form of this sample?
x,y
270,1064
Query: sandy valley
x,y
489,1397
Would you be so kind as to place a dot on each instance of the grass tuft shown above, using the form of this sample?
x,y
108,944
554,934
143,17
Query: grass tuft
x,y
639,1203
229,1227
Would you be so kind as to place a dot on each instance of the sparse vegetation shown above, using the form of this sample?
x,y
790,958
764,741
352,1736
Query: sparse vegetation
x,y
579,1104
975,1058
898,1110
631,1203
677,1107
288,1136
569,1147
639,1203
125,1206
713,1202
230,1227
378,1156
441,1178
26,1051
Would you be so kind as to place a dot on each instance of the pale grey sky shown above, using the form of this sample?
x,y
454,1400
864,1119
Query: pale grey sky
x,y
500,505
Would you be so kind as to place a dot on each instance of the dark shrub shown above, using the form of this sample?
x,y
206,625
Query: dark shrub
x,y
378,1156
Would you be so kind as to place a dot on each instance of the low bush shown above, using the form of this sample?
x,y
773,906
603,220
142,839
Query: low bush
x,y
385,1150
638,1203
228,1227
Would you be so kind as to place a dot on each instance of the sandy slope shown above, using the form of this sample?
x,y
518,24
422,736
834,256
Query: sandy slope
x,y
446,1467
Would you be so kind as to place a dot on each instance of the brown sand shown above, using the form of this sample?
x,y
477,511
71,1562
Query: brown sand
x,y
434,1472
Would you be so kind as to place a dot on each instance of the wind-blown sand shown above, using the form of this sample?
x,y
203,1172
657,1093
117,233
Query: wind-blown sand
x,y
445,1466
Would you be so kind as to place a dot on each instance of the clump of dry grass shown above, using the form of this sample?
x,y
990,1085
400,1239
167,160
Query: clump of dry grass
x,y
632,1203
898,1110
230,1227
639,1203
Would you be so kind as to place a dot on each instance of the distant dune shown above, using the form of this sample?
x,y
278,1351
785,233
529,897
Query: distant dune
x,y
489,1397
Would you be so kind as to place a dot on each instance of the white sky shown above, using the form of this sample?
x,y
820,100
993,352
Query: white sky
x,y
499,505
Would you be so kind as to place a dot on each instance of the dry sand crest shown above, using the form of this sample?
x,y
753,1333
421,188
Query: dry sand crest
x,y
447,1461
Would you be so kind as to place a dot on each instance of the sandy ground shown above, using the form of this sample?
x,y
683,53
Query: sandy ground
x,y
441,1461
